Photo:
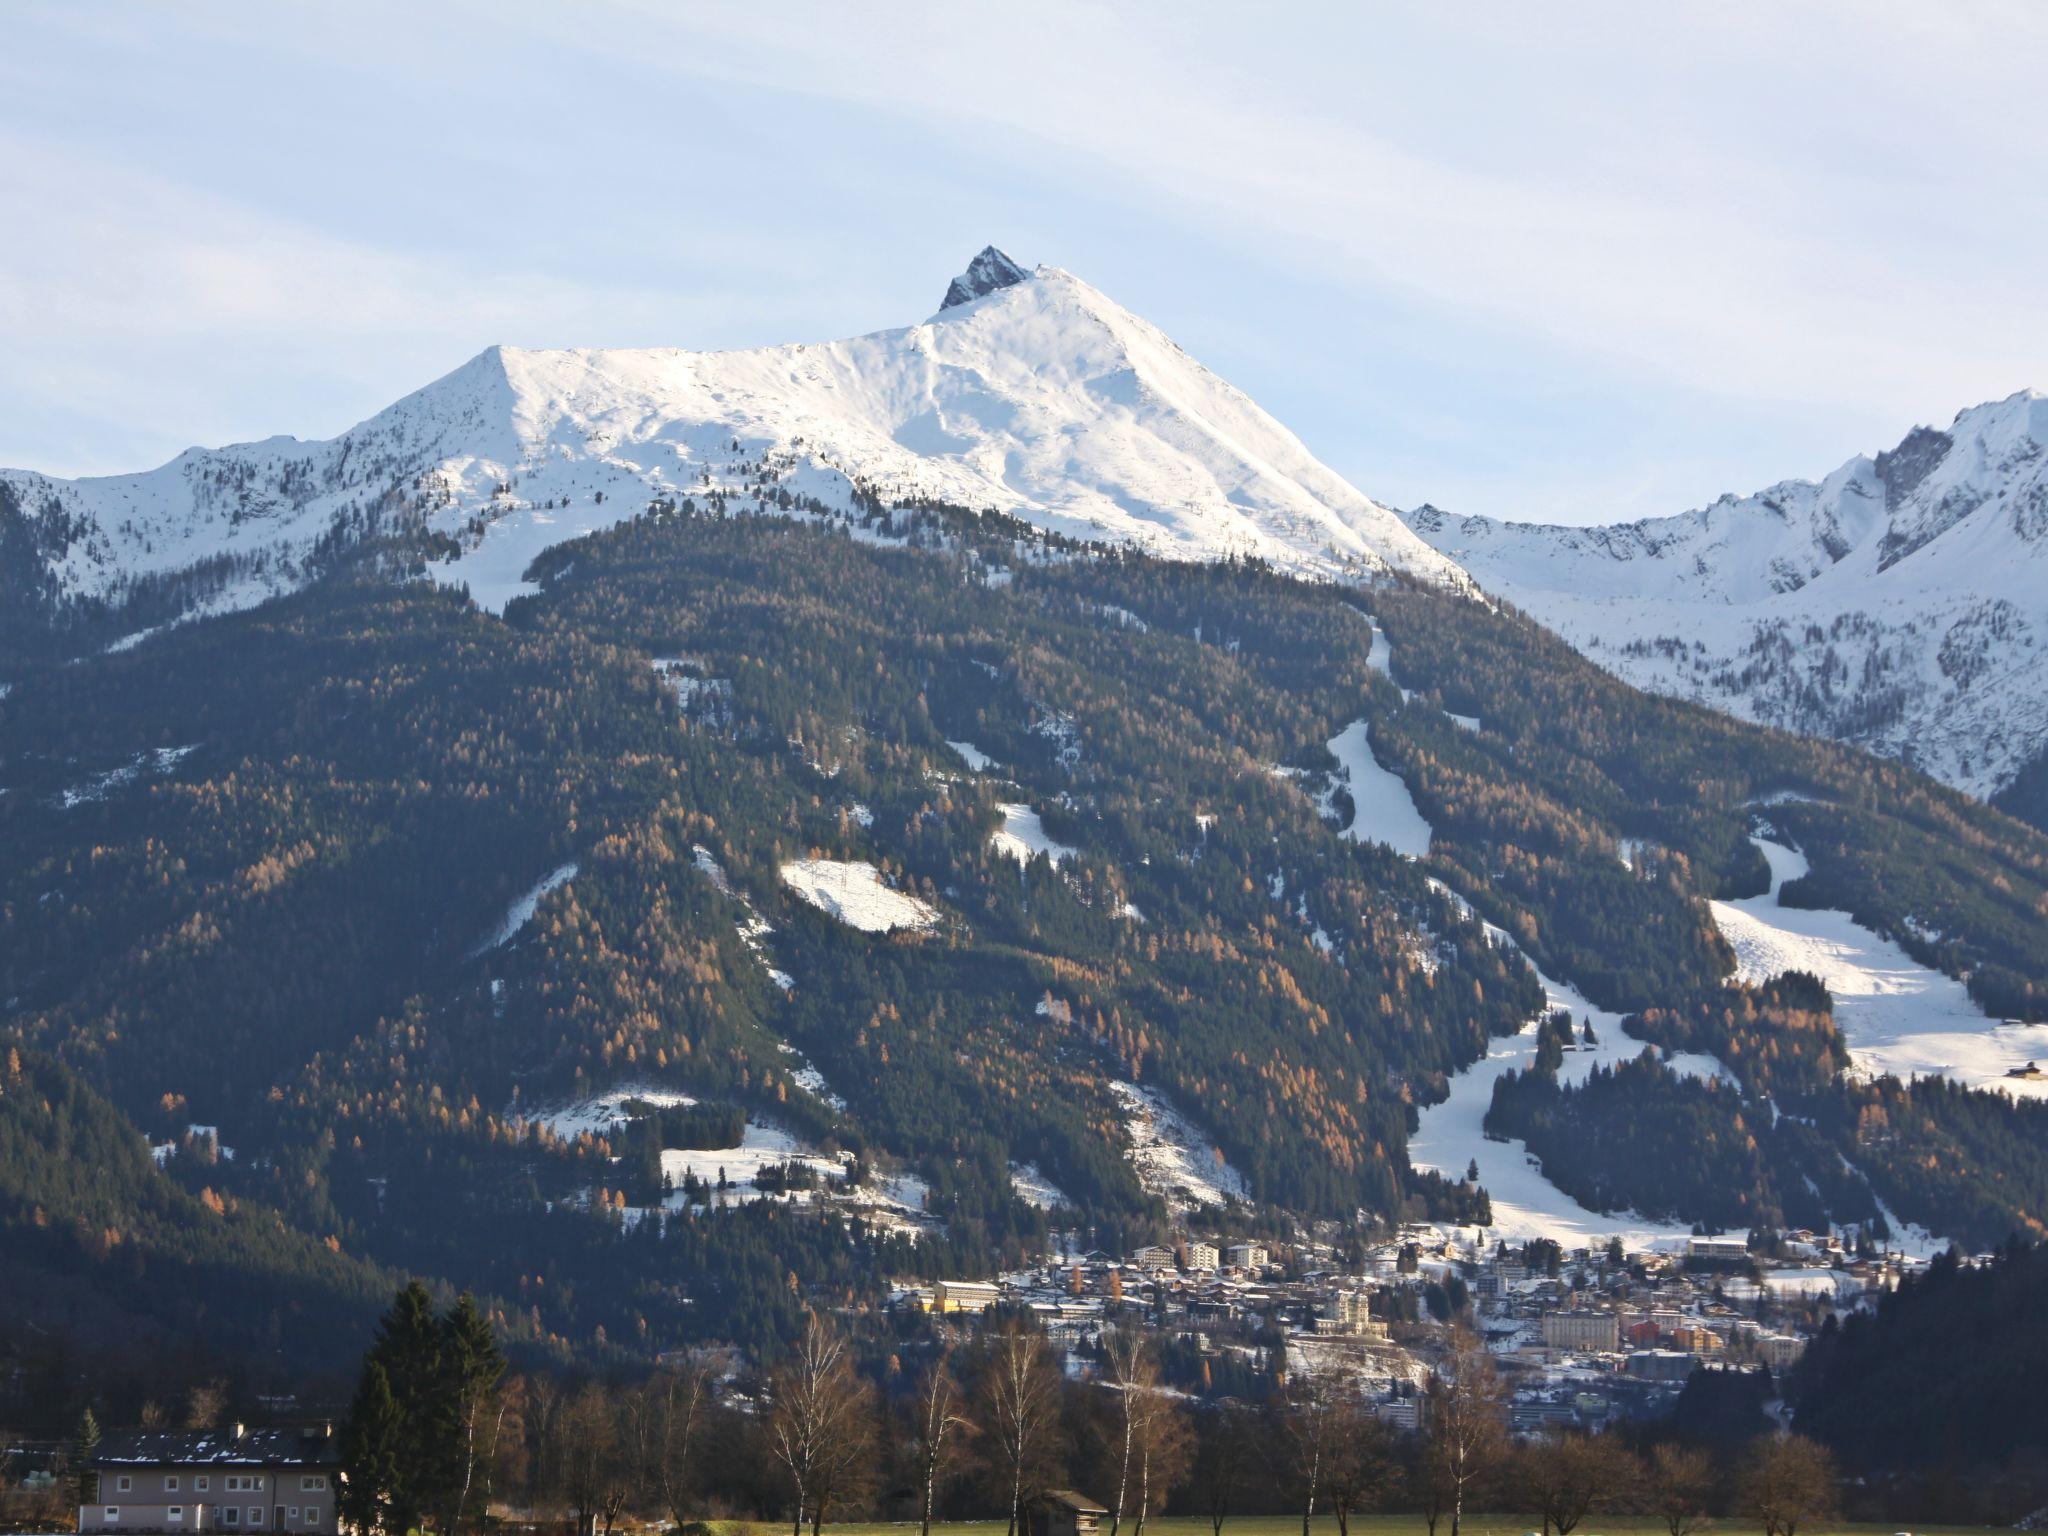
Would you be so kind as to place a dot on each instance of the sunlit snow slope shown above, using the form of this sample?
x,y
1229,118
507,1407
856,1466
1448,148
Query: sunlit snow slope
x,y
1029,393
1901,603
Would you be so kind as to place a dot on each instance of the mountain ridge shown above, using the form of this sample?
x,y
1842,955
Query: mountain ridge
x,y
1032,393
1893,603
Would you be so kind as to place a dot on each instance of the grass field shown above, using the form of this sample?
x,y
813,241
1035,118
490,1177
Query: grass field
x,y
1361,1525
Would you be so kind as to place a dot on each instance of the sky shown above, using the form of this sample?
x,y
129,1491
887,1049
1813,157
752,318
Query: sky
x,y
1573,262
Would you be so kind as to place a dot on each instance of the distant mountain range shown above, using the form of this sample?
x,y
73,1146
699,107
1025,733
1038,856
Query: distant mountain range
x,y
1896,604
1900,603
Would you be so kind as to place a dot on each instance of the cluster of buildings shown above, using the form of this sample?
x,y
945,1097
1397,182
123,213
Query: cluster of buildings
x,y
1581,1335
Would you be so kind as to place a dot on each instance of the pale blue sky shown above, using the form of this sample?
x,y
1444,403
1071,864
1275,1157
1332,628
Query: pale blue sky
x,y
1570,261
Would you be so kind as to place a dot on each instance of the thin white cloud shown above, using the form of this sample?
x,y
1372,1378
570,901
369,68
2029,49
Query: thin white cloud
x,y
1711,254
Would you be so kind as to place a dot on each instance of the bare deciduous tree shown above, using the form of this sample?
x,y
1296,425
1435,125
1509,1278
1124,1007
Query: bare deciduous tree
x,y
1227,1446
1788,1481
1127,1370
1307,1426
1680,1481
820,1423
1465,1433
938,1426
1359,1465
1162,1444
682,1401
1019,1411
587,1443
1566,1477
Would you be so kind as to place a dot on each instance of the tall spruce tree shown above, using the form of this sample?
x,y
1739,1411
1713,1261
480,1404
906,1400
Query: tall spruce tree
x,y
369,1453
87,1447
463,1413
408,1348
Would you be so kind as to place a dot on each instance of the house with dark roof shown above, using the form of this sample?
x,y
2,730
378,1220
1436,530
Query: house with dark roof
x,y
1063,1512
279,1482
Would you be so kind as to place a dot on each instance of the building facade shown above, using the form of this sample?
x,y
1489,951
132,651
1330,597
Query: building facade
x,y
276,1481
1582,1332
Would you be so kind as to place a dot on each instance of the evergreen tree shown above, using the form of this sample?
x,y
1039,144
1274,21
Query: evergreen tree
x,y
369,1453
465,1403
87,1447
408,1348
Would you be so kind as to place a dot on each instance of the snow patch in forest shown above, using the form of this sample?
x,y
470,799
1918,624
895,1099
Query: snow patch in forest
x,y
99,786
1452,1135
606,1112
1895,1014
520,913
1173,1159
1035,1189
1382,809
1022,837
1381,659
894,1201
753,929
972,756
853,892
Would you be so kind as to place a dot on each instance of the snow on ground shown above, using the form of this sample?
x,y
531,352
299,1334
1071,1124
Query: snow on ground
x,y
1382,810
99,786
1469,722
605,1112
1060,730
972,756
812,1081
520,913
1023,837
129,642
1381,659
1044,399
893,1200
754,928
1895,1014
1034,1188
1526,1204
761,1146
1173,1158
854,893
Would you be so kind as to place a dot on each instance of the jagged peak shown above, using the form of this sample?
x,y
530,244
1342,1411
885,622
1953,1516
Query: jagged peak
x,y
991,269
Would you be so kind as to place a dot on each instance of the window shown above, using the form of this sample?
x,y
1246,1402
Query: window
x,y
312,1514
170,1484
175,1512
201,1484
255,1514
291,1515
113,1513
123,1484
229,1515
312,1484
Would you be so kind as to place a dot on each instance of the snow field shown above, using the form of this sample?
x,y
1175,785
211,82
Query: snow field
x,y
1172,1157
1895,1014
1022,837
853,892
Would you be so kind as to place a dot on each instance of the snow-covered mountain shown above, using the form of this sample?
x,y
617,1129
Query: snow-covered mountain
x,y
1901,603
1028,392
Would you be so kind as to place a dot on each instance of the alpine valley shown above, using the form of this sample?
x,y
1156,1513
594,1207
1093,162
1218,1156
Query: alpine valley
x,y
650,836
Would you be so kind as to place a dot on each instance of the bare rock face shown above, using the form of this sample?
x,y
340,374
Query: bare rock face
x,y
984,275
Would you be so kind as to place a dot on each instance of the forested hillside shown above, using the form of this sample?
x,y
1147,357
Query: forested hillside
x,y
390,890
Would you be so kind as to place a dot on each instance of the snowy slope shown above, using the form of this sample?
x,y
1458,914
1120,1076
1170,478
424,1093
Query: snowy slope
x,y
1896,1015
1901,603
1033,394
